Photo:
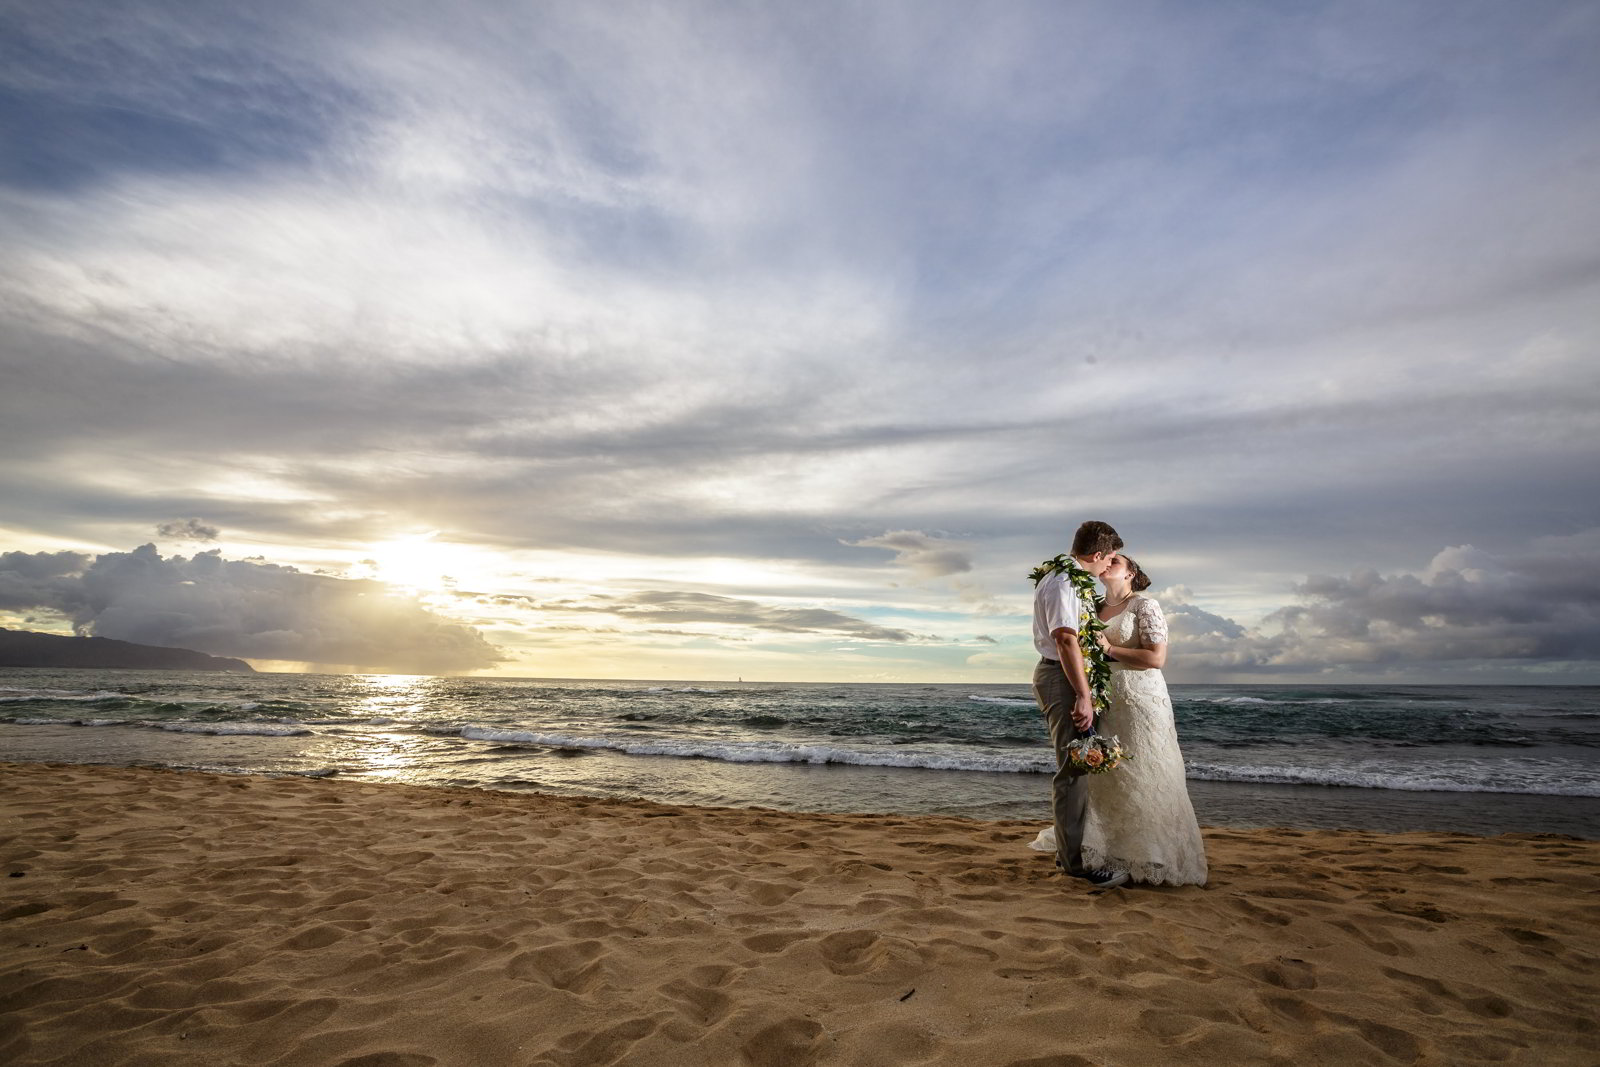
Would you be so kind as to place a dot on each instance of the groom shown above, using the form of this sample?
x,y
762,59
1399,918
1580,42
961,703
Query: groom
x,y
1061,609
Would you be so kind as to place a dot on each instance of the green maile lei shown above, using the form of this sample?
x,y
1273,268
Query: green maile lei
x,y
1095,664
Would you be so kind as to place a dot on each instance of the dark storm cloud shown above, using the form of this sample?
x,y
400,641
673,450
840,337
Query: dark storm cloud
x,y
42,579
239,608
1469,608
1201,642
188,530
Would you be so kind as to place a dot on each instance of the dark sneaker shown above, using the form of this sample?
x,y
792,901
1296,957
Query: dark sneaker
x,y
1106,879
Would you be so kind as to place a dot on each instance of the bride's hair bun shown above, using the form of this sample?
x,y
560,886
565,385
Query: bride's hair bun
x,y
1141,580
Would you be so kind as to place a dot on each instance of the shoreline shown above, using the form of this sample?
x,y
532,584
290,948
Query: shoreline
x,y
181,917
827,788
1280,756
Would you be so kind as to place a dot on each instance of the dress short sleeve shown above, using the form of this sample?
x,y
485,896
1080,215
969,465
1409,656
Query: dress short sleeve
x,y
1152,623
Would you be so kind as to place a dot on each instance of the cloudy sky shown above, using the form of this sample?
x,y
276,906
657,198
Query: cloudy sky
x,y
705,340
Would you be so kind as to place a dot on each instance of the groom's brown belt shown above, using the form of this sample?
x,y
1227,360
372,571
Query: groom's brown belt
x,y
1052,662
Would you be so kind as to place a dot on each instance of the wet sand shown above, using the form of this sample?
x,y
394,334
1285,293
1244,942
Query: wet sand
x,y
156,918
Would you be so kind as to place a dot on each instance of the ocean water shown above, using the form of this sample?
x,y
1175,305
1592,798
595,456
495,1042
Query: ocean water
x,y
1481,759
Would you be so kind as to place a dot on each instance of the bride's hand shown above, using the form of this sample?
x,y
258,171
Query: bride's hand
x,y
1105,646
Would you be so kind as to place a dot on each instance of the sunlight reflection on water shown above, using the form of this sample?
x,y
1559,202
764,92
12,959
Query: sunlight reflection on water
x,y
388,696
393,757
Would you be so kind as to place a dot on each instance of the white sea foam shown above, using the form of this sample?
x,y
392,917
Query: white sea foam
x,y
1016,701
37,720
1258,700
56,695
211,768
775,752
1418,781
1014,762
255,729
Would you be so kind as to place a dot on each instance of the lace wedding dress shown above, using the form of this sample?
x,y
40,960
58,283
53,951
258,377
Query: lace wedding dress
x,y
1140,819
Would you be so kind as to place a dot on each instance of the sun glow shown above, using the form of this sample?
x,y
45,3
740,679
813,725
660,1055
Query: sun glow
x,y
421,563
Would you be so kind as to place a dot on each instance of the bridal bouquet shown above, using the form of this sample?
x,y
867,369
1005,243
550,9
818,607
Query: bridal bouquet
x,y
1096,754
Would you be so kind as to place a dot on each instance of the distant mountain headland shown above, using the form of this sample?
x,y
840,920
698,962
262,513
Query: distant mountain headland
x,y
24,648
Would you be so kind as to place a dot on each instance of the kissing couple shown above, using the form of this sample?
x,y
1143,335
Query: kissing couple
x,y
1100,673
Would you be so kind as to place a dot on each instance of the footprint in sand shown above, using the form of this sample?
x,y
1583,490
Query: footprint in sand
x,y
1258,913
389,1059
575,966
1068,968
590,1049
944,848
1431,985
1388,948
853,951
313,937
1168,1026
1391,1041
771,893
1527,937
775,941
22,911
711,975
1284,973
1493,1007
697,1003
1417,910
947,950
790,1042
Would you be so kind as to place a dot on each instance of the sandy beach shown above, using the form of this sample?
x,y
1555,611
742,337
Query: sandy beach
x,y
153,917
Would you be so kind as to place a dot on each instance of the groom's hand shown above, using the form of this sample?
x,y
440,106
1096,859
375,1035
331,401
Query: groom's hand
x,y
1083,712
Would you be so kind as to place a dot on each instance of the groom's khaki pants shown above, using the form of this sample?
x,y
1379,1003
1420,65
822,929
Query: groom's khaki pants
x,y
1069,794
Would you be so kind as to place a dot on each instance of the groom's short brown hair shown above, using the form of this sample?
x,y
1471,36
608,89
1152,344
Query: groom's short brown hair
x,y
1095,537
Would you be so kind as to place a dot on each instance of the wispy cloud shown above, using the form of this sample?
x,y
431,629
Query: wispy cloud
x,y
680,606
924,555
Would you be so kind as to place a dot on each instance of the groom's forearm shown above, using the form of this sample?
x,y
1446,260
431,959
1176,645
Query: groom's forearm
x,y
1072,666
1071,657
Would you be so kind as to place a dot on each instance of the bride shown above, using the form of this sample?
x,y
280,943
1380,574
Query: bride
x,y
1139,818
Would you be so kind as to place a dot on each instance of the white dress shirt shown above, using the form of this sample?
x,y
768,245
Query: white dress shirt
x,y
1055,604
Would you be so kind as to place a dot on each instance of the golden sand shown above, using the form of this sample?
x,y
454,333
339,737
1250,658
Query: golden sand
x,y
159,918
